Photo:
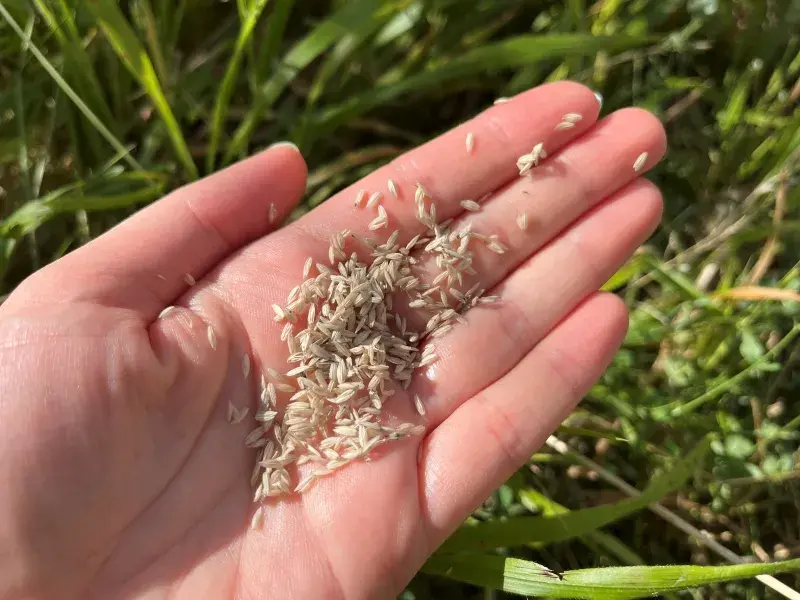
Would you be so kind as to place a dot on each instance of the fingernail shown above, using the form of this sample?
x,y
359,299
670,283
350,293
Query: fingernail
x,y
284,145
599,97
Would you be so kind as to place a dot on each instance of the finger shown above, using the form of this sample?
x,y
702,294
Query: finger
x,y
495,432
501,133
535,297
450,173
142,263
558,192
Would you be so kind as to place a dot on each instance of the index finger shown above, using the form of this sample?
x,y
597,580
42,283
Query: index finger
x,y
450,171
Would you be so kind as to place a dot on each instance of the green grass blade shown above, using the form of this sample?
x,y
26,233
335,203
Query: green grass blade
x,y
278,18
173,19
732,382
71,94
611,583
534,500
628,271
335,60
549,529
229,80
349,18
120,191
506,54
142,13
77,64
133,55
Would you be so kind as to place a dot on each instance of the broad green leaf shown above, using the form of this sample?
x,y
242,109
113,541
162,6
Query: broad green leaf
x,y
348,19
133,55
750,346
549,529
739,446
611,583
220,111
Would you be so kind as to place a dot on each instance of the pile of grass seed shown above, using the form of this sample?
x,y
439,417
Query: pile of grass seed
x,y
350,350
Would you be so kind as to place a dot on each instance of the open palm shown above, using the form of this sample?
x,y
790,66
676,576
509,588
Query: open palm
x,y
120,475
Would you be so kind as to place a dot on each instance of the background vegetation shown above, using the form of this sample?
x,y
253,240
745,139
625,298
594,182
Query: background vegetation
x,y
104,106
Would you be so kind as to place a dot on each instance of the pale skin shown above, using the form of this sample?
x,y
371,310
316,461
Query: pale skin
x,y
120,476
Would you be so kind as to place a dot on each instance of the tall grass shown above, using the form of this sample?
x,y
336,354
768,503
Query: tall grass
x,y
104,106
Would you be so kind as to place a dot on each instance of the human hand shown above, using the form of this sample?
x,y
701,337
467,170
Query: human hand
x,y
121,477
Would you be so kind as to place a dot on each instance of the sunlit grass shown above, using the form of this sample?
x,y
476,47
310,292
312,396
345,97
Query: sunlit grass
x,y
106,107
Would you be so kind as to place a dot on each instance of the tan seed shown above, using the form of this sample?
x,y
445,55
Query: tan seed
x,y
280,313
212,337
246,365
360,198
470,205
258,519
470,142
638,165
189,279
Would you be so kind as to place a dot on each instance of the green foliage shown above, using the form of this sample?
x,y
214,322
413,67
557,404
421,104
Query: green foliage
x,y
617,583
554,528
105,106
131,52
